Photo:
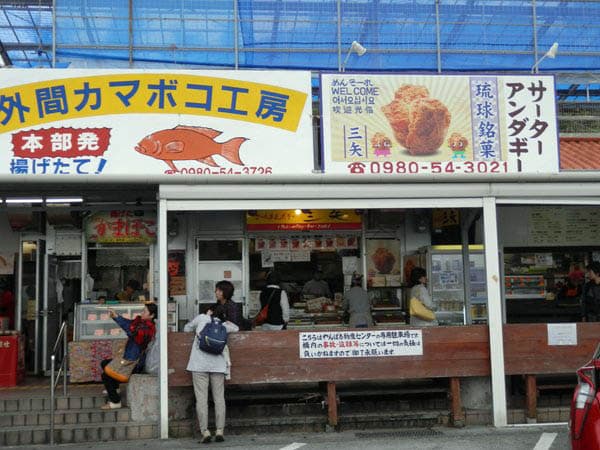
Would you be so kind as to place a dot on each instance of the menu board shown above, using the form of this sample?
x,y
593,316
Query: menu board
x,y
564,225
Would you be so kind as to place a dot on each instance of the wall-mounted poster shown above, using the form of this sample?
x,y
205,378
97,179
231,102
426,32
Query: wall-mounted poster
x,y
383,258
7,263
176,271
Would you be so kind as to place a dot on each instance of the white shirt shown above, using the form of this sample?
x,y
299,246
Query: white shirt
x,y
203,361
421,293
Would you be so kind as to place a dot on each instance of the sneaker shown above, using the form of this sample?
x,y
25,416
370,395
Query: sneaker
x,y
206,437
219,436
111,405
105,392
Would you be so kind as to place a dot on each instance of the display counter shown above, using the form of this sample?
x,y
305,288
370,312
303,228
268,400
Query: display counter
x,y
92,320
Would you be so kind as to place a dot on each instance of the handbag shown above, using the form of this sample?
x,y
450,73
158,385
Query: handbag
x,y
119,368
419,310
262,315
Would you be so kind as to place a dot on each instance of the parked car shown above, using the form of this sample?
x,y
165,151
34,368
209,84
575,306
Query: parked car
x,y
584,423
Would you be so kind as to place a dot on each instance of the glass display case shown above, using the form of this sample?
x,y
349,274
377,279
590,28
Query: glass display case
x,y
386,305
524,286
445,273
93,322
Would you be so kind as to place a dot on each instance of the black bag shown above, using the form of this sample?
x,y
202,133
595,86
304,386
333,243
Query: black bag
x,y
213,337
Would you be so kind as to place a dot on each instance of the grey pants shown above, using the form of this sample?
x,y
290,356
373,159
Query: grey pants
x,y
217,384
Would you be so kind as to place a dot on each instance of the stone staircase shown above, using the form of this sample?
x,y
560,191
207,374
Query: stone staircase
x,y
25,418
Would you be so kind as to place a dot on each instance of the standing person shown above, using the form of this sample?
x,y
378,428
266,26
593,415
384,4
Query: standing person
x,y
140,331
590,300
418,278
317,286
224,293
209,369
128,294
279,306
356,303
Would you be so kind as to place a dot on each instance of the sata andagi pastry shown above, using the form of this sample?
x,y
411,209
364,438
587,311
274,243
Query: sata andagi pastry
x,y
383,260
420,123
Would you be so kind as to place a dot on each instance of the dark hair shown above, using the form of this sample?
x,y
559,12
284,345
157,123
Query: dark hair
x,y
133,284
273,277
594,266
153,310
226,287
416,274
219,311
356,279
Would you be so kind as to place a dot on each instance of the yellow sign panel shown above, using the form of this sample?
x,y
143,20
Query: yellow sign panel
x,y
152,93
304,219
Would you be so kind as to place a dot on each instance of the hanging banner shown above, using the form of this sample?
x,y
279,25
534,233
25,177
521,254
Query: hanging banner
x,y
305,219
176,272
131,227
438,124
155,123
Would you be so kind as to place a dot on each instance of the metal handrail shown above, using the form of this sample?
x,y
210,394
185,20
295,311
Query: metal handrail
x,y
62,369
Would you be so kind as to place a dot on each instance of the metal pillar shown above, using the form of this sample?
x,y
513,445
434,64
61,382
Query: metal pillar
x,y
163,319
492,270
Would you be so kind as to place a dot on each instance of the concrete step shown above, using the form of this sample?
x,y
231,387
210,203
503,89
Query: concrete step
x,y
78,433
273,410
62,417
400,419
309,423
38,403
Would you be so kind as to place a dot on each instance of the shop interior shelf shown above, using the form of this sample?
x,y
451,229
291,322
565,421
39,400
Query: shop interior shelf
x,y
386,308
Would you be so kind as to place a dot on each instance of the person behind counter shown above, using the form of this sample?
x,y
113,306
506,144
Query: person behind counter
x,y
356,303
131,292
317,286
209,369
224,293
140,331
418,278
590,300
279,306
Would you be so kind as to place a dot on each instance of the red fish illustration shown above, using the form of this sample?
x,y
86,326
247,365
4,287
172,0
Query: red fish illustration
x,y
184,143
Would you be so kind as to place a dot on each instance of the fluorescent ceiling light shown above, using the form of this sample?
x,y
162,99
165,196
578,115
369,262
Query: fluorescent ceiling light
x,y
64,200
21,200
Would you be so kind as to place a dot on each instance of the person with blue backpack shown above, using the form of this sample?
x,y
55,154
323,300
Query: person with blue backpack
x,y
208,363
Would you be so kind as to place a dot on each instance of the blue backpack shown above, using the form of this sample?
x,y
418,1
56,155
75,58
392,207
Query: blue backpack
x,y
213,337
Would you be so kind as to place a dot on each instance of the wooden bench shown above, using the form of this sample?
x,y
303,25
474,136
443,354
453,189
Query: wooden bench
x,y
260,357
526,352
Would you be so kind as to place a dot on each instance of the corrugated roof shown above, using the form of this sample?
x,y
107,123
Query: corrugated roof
x,y
579,153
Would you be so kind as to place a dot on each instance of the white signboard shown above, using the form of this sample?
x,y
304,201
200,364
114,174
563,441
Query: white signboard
x,y
155,123
562,334
361,344
438,124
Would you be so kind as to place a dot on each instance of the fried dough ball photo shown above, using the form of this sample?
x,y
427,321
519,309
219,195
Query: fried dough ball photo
x,y
420,123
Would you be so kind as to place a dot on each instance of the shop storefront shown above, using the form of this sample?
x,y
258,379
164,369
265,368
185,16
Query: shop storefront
x,y
479,203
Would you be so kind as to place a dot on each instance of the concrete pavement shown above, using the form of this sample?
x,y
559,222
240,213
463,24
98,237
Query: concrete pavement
x,y
472,438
